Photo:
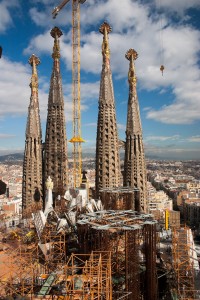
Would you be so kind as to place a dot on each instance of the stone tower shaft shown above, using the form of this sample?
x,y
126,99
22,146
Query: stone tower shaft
x,y
32,164
108,172
55,154
134,163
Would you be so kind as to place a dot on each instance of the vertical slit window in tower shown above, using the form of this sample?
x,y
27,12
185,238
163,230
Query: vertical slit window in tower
x,y
130,148
139,144
35,148
135,150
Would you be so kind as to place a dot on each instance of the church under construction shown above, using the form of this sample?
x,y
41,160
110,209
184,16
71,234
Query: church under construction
x,y
101,247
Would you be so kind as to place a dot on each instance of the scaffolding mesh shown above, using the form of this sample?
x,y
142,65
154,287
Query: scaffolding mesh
x,y
131,237
183,263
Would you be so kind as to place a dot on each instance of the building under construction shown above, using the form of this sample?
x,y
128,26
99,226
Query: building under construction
x,y
28,274
131,237
110,255
103,254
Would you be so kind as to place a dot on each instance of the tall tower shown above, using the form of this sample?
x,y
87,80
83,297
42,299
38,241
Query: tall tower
x,y
32,165
107,153
55,156
134,164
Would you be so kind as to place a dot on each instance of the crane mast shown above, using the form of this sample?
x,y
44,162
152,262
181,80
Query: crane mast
x,y
76,140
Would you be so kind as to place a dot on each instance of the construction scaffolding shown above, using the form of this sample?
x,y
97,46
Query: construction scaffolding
x,y
131,237
84,277
89,276
53,246
183,263
30,269
19,270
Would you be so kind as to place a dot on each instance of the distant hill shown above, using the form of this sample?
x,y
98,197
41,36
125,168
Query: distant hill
x,y
91,155
15,157
18,157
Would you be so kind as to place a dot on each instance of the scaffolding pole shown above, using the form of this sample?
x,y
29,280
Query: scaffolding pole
x,y
21,268
183,264
89,279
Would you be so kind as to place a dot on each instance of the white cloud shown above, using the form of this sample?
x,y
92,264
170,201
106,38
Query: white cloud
x,y
89,94
158,142
15,92
162,138
39,17
121,127
162,152
41,13
12,150
195,139
146,108
134,26
5,13
180,148
45,2
179,6
42,43
182,74
6,136
91,124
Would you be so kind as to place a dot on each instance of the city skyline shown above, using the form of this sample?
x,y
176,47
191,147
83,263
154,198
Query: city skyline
x,y
162,32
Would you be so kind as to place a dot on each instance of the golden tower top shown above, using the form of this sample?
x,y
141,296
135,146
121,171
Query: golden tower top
x,y
131,55
105,29
34,61
56,33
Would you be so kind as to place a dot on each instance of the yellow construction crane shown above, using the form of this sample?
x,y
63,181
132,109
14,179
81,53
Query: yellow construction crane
x,y
76,139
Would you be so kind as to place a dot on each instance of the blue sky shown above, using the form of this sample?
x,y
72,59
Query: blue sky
x,y
161,31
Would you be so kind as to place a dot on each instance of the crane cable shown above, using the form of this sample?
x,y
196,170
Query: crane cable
x,y
161,39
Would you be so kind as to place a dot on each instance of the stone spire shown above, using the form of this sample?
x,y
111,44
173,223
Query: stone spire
x,y
134,164
107,152
55,156
32,165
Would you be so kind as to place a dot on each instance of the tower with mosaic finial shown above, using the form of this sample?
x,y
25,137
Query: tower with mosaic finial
x,y
55,149
32,163
108,172
134,162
